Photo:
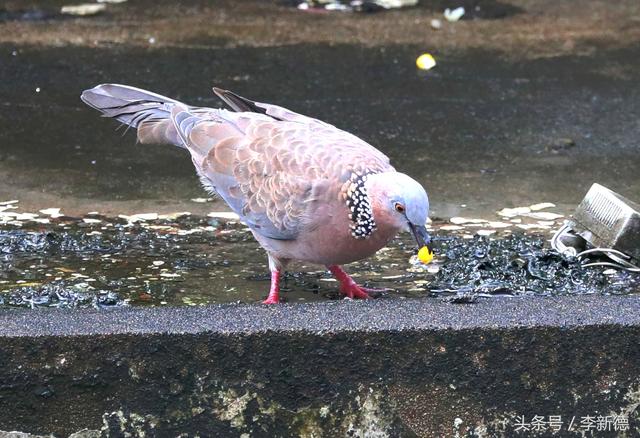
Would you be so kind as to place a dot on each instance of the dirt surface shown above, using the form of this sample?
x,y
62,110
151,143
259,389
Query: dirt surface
x,y
531,100
518,28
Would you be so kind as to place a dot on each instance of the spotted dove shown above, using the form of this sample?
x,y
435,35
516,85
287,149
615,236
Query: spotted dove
x,y
307,190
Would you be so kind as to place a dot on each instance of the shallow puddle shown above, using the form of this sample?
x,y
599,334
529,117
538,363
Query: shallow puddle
x,y
180,259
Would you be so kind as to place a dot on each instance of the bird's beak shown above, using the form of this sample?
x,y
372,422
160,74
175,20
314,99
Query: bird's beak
x,y
421,235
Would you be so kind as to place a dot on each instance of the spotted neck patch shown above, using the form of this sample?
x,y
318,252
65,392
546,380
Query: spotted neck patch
x,y
359,205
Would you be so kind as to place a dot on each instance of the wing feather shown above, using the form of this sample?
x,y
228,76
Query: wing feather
x,y
271,167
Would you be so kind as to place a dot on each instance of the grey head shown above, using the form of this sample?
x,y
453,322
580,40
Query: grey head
x,y
402,201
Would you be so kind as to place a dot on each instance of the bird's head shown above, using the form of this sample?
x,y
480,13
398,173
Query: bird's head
x,y
401,202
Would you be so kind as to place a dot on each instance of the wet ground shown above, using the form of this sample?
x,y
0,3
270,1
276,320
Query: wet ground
x,y
54,260
532,102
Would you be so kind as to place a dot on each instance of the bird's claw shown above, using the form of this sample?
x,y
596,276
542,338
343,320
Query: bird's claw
x,y
354,291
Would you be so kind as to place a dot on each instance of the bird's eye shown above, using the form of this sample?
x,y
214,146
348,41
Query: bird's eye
x,y
399,207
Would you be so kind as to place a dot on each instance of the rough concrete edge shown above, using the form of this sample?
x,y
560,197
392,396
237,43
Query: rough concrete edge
x,y
327,317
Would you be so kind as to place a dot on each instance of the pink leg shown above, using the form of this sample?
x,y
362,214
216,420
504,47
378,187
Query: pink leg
x,y
347,285
274,292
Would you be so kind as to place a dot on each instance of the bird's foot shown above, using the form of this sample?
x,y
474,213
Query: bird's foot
x,y
271,300
348,286
354,291
274,292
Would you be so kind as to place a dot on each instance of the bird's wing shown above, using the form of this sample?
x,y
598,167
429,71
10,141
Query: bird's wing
x,y
269,171
344,139
242,104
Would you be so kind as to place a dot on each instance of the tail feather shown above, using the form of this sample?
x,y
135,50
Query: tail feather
x,y
147,111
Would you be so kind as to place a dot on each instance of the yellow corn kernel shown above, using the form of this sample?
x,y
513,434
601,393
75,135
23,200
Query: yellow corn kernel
x,y
425,61
425,255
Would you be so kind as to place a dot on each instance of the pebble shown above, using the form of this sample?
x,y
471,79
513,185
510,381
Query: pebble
x,y
493,224
223,215
529,226
451,228
25,216
146,216
336,7
83,9
544,215
188,232
174,215
512,212
541,206
139,217
53,212
463,220
453,15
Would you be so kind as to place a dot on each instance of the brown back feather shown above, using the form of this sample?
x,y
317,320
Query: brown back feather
x,y
268,174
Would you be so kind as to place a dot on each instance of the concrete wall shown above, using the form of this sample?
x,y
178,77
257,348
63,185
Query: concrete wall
x,y
379,368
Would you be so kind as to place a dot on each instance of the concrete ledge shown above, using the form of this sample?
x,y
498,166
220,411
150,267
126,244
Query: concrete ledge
x,y
395,367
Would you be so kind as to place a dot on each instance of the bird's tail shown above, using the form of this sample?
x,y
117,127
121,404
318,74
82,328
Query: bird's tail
x,y
149,112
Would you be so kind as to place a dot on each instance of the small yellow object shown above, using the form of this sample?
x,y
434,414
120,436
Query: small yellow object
x,y
425,61
425,255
